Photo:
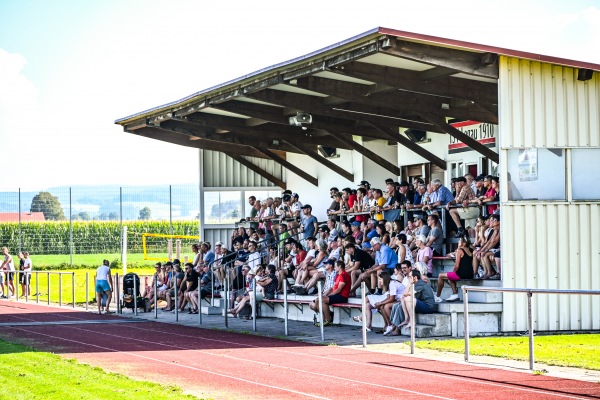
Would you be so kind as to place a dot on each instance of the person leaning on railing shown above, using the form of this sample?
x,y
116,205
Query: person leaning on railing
x,y
465,197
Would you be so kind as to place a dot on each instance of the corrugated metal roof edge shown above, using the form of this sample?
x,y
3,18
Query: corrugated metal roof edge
x,y
491,49
375,31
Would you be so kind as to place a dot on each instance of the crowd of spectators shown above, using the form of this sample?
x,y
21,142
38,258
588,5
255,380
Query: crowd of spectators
x,y
387,238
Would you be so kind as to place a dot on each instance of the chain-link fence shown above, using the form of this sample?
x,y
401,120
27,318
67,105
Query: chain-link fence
x,y
62,222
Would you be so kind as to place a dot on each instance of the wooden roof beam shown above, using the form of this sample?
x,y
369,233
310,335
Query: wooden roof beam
x,y
415,148
468,62
322,160
377,159
288,165
452,87
400,100
463,137
253,167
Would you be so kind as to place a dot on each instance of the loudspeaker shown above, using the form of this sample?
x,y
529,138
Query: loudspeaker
x,y
416,135
327,151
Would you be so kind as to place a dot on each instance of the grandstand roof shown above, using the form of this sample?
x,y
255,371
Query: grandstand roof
x,y
374,85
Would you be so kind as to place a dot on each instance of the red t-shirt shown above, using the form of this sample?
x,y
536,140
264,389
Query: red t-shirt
x,y
300,256
491,192
343,277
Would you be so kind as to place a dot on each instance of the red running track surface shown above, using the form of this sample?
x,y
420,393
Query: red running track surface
x,y
220,364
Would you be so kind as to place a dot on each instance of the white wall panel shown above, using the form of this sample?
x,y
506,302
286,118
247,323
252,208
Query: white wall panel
x,y
551,246
544,105
221,170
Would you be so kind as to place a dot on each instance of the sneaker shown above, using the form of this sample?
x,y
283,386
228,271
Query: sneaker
x,y
461,232
388,329
3,297
454,297
437,299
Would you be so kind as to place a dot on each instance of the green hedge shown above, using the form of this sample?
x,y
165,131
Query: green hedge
x,y
53,237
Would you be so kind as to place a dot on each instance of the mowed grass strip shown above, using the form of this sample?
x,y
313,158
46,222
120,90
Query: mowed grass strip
x,y
580,351
29,375
39,282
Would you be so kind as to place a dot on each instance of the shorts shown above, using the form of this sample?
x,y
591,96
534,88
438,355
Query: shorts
x,y
470,215
102,286
10,276
452,276
25,279
337,299
422,307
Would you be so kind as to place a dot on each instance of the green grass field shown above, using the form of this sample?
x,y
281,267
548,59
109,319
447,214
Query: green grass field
x,y
39,284
63,261
580,351
30,375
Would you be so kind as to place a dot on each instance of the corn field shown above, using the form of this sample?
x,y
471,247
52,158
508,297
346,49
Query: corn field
x,y
88,237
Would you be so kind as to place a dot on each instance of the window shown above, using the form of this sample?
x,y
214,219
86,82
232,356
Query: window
x,y
536,174
260,195
585,164
222,207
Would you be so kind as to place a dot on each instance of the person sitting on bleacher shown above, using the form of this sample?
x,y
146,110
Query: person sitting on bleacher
x,y
463,269
244,298
269,283
175,281
424,254
376,302
338,295
465,197
360,260
435,238
401,283
191,288
421,228
419,197
488,249
254,258
307,268
424,298
440,195
316,274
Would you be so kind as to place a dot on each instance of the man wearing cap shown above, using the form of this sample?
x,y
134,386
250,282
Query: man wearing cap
x,y
479,186
309,222
296,206
385,257
356,232
465,196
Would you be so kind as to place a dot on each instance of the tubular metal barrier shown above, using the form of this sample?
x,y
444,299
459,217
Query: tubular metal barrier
x,y
530,293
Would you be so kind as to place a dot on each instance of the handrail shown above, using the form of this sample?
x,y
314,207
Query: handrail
x,y
530,293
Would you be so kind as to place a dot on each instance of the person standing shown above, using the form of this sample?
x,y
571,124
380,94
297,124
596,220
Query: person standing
x,y
9,267
103,284
25,277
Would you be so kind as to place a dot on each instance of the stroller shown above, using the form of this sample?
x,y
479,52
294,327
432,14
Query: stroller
x,y
131,282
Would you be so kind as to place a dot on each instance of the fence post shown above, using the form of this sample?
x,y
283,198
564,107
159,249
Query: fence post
x,y
73,287
16,293
116,293
87,290
200,303
37,287
48,282
254,304
60,289
135,296
413,320
124,251
466,321
70,230
156,295
285,305
176,294
321,321
530,323
363,290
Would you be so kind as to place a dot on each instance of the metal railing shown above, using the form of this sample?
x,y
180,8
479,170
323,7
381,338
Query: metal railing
x,y
530,293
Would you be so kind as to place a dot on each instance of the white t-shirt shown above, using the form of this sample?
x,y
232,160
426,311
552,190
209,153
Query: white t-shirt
x,y
102,273
27,264
397,289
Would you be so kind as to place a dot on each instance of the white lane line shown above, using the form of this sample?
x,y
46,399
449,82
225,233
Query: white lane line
x,y
319,374
427,373
178,365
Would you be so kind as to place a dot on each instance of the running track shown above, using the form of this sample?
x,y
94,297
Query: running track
x,y
219,364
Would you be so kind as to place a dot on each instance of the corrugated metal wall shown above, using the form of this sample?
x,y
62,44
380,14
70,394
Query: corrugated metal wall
x,y
221,170
553,245
214,235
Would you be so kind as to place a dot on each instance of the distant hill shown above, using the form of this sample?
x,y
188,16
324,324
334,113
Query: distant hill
x,y
100,201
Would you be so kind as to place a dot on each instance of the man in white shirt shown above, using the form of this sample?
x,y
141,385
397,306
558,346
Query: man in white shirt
x,y
26,275
8,266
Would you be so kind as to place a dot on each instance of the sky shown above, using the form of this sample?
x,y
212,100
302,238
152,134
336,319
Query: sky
x,y
69,69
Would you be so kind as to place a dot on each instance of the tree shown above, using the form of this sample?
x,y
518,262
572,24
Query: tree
x,y
48,204
145,213
113,216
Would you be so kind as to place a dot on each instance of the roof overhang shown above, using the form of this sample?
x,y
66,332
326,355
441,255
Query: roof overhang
x,y
373,85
